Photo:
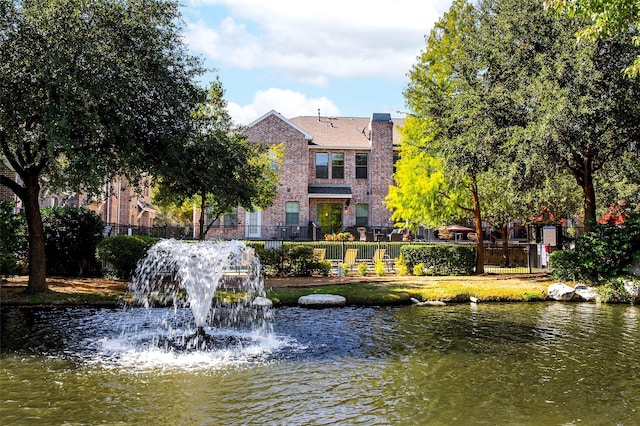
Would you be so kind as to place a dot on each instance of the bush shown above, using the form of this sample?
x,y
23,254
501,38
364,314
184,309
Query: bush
x,y
362,269
563,265
123,253
602,254
441,259
13,241
401,266
379,268
71,236
291,260
418,270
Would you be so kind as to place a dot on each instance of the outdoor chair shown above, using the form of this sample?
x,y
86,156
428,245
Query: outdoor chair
x,y
320,253
350,257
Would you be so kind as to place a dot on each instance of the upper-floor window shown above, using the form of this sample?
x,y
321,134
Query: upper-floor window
x,y
337,165
362,165
322,165
292,213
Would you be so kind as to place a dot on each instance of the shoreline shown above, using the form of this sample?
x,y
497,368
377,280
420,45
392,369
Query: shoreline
x,y
367,290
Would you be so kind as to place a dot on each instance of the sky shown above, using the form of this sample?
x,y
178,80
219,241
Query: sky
x,y
347,58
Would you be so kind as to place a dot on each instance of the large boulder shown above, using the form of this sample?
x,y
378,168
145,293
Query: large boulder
x,y
586,293
321,300
560,291
262,302
632,287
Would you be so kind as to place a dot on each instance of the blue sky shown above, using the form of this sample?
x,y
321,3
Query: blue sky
x,y
344,57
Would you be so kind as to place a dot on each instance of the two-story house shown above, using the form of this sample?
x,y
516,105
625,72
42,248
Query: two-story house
x,y
335,176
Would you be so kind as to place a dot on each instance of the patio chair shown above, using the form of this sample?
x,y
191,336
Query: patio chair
x,y
319,253
350,257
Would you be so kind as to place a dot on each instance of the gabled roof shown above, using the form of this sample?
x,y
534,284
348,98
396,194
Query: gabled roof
x,y
344,132
307,136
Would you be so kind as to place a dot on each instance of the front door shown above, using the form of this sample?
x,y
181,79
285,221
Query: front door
x,y
330,217
253,224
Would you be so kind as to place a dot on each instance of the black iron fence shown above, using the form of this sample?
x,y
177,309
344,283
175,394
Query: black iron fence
x,y
112,229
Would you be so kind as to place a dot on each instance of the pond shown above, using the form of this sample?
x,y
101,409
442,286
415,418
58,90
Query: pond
x,y
533,364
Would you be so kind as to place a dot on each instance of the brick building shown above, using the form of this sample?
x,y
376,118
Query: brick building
x,y
335,176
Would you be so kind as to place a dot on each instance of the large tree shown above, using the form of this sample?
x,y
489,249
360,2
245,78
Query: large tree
x,y
217,168
604,19
584,116
88,89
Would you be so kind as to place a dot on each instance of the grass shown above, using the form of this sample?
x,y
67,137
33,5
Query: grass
x,y
370,294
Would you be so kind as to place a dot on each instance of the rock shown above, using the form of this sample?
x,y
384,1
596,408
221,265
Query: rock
x,y
321,300
631,287
262,302
587,294
427,302
635,267
473,299
560,291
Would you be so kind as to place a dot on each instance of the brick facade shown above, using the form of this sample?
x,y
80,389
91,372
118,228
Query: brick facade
x,y
303,138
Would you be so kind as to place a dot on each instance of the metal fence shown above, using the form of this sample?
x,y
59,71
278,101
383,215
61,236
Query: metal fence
x,y
180,233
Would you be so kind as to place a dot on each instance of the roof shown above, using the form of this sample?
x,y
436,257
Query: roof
x,y
307,136
344,132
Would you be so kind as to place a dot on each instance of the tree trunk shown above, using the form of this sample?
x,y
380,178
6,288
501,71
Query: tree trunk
x,y
202,218
477,217
37,261
589,202
505,245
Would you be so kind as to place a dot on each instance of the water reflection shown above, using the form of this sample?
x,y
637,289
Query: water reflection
x,y
539,363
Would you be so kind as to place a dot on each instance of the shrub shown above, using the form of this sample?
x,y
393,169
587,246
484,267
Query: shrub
x,y
13,241
563,265
401,266
418,270
604,253
345,268
123,253
71,237
291,260
362,269
441,259
379,268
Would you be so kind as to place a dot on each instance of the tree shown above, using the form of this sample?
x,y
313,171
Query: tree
x,y
585,114
605,18
217,168
88,89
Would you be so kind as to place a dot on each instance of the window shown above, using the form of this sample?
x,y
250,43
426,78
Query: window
x,y
292,213
362,214
322,165
209,213
362,162
337,165
231,219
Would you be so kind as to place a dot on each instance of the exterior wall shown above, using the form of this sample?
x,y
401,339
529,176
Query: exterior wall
x,y
5,193
380,170
293,183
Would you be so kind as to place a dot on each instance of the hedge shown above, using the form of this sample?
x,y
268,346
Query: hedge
x,y
440,259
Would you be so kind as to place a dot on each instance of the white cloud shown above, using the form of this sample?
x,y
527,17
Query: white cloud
x,y
287,102
315,42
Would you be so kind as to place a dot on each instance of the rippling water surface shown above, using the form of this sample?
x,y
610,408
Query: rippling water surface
x,y
528,364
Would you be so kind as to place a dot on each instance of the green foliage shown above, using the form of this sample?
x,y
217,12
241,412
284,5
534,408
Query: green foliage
x,y
217,167
13,240
345,268
90,90
379,268
71,237
602,254
563,265
418,270
123,252
291,260
441,259
401,265
362,269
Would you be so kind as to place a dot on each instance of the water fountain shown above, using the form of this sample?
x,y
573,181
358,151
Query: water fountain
x,y
188,274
